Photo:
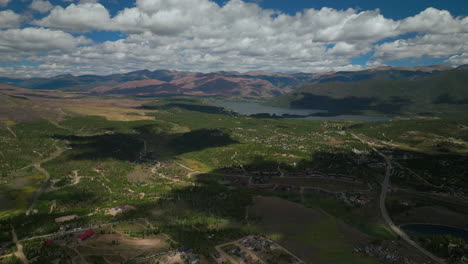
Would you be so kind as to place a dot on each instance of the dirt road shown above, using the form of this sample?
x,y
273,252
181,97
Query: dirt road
x,y
11,131
19,247
44,184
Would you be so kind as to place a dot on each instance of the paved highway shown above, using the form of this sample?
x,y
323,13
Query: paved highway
x,y
383,208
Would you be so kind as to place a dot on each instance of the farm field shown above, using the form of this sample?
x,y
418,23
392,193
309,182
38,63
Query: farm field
x,y
314,235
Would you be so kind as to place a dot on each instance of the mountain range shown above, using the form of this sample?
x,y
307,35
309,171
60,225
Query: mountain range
x,y
436,94
394,91
229,84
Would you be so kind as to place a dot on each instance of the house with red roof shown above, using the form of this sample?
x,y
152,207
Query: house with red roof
x,y
87,234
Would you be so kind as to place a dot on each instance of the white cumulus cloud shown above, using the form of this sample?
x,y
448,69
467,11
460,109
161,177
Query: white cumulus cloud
x,y
434,21
78,18
9,19
438,46
41,6
38,39
202,35
460,59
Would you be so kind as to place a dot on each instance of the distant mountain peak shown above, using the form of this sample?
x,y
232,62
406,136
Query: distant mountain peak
x,y
62,76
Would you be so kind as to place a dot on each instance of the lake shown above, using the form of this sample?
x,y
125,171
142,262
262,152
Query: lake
x,y
251,108
426,229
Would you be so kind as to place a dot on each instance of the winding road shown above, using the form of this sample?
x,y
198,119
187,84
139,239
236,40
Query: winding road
x,y
192,171
383,208
44,184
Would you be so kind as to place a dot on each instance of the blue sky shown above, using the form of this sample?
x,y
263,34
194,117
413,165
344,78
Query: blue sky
x,y
396,9
49,37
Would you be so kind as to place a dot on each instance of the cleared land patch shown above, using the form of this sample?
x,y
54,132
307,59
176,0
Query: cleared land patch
x,y
309,233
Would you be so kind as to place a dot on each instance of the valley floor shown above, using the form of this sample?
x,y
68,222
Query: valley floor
x,y
177,181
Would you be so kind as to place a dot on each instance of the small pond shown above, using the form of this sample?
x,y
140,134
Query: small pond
x,y
427,229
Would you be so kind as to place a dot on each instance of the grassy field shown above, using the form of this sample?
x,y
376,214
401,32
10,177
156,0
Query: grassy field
x,y
16,194
312,234
364,219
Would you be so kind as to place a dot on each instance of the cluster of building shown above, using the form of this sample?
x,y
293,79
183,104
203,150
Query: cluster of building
x,y
163,170
277,139
188,255
358,199
255,250
2,250
290,155
120,209
98,170
156,170
83,236
384,254
258,243
87,234
128,190
245,257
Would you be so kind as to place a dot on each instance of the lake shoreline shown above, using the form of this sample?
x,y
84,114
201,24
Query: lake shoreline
x,y
438,229
256,109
